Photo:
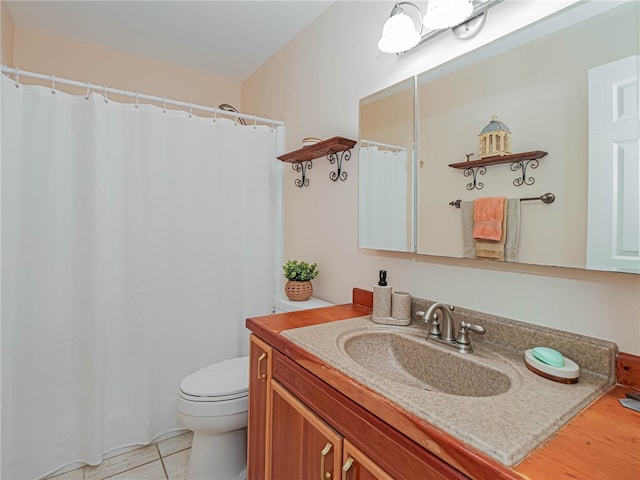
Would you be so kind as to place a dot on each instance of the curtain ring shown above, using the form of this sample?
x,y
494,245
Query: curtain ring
x,y
88,94
106,98
236,124
136,105
164,104
255,121
191,110
53,84
17,77
273,126
215,115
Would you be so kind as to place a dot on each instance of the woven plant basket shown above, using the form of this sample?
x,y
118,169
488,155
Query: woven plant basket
x,y
298,291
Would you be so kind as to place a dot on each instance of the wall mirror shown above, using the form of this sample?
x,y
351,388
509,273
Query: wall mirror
x,y
567,86
386,169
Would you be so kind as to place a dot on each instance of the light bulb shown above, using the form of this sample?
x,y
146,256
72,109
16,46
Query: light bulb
x,y
443,14
398,34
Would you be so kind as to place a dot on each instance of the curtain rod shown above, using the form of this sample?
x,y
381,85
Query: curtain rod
x,y
373,143
138,96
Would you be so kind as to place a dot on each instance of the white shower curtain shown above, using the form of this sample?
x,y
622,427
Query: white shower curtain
x,y
134,245
383,199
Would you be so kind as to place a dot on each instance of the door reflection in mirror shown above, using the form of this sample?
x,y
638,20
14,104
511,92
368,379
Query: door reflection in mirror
x,y
613,234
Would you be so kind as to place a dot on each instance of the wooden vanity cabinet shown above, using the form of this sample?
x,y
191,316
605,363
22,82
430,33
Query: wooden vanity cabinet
x,y
393,443
302,445
260,373
311,428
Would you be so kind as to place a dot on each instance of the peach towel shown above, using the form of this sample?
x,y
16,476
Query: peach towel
x,y
488,214
491,249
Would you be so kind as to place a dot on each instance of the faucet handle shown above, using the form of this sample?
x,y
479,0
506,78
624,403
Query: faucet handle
x,y
463,336
479,329
434,330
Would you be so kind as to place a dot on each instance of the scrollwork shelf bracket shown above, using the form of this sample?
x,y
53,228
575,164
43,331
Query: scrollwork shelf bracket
x,y
302,167
337,158
522,165
475,171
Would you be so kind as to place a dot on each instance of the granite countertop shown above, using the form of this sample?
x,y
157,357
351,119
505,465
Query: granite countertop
x,y
506,426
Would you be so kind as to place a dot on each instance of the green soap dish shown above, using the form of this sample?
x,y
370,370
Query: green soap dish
x,y
549,356
568,372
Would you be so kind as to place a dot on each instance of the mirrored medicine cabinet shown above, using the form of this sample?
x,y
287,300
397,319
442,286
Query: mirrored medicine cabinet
x,y
567,85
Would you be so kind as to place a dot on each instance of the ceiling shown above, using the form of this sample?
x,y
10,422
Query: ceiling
x,y
227,38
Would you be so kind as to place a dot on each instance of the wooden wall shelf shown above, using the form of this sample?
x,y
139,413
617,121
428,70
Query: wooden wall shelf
x,y
301,159
320,149
518,161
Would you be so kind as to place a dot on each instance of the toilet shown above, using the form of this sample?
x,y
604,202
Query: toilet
x,y
213,403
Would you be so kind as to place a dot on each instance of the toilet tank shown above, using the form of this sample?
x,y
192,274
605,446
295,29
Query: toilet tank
x,y
281,305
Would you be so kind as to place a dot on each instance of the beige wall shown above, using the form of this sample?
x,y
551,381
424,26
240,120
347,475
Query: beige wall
x,y
314,84
6,35
41,52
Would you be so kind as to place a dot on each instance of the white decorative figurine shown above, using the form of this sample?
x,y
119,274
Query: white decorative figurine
x,y
495,139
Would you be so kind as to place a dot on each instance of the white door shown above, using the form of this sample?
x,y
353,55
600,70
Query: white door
x,y
613,231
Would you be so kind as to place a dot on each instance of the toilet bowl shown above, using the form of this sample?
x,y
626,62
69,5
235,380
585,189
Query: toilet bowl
x,y
213,403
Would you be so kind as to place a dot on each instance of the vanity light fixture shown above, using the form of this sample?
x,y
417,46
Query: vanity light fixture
x,y
443,14
401,33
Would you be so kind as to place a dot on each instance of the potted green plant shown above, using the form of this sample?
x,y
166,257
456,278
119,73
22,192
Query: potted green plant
x,y
299,274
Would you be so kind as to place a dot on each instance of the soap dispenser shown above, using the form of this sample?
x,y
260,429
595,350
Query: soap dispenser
x,y
381,299
389,307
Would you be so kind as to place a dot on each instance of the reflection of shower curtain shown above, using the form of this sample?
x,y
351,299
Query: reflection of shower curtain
x,y
134,245
383,197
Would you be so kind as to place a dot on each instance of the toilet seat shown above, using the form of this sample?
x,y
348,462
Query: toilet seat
x,y
222,381
212,398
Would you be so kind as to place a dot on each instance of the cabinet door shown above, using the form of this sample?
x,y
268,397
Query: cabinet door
x,y
260,371
357,466
303,446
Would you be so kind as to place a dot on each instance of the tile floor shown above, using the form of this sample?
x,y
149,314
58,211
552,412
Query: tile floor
x,y
165,460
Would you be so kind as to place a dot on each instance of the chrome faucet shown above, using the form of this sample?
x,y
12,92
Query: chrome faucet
x,y
445,333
